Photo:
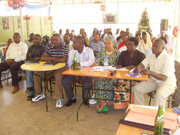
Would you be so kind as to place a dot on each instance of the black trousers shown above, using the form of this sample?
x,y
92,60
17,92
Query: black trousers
x,y
68,80
14,68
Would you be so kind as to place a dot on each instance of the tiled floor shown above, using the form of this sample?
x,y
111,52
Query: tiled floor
x,y
21,117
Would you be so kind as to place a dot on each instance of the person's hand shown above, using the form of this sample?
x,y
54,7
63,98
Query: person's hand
x,y
94,64
78,65
37,58
8,62
137,70
145,72
130,67
119,66
30,55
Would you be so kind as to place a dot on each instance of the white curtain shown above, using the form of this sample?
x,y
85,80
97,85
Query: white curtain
x,y
174,20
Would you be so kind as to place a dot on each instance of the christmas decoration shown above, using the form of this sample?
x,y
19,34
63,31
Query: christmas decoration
x,y
28,17
103,7
144,22
175,31
15,4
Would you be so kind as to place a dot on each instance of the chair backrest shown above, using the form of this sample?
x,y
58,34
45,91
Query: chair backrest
x,y
177,70
176,101
4,50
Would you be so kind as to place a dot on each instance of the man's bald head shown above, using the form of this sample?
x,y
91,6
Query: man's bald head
x,y
158,47
160,42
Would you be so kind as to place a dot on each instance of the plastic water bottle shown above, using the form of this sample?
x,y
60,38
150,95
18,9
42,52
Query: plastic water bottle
x,y
105,64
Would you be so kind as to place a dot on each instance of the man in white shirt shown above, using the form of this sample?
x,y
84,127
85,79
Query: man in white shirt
x,y
61,35
15,56
30,41
67,41
129,34
161,75
117,33
85,57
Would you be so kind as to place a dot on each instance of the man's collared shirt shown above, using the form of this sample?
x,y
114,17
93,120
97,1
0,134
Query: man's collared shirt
x,y
163,64
63,51
17,51
35,52
86,58
70,45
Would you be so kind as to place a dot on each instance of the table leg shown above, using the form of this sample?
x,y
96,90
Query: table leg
x,y
130,90
45,87
82,99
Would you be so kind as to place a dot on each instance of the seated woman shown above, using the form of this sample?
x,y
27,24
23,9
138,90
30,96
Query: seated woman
x,y
132,57
96,45
86,40
128,59
145,43
110,51
121,44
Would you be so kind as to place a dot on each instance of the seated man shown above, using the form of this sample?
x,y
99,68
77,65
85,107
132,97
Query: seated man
x,y
85,57
15,56
67,41
161,72
34,53
56,52
3,57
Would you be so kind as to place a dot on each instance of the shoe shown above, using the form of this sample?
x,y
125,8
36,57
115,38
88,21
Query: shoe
x,y
59,103
70,102
104,110
38,98
30,89
86,102
1,86
92,101
31,95
19,78
16,89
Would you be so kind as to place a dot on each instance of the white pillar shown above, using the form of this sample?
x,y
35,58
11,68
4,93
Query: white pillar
x,y
22,28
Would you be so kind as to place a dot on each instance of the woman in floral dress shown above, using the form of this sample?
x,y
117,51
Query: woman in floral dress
x,y
110,51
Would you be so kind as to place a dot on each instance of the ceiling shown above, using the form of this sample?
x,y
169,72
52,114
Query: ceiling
x,y
60,2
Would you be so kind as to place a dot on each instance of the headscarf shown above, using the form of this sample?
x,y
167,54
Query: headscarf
x,y
113,40
148,43
169,41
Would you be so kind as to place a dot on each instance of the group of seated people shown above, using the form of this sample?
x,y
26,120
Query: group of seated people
x,y
157,64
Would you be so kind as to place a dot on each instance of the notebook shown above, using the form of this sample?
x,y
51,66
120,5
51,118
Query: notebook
x,y
176,110
52,63
147,116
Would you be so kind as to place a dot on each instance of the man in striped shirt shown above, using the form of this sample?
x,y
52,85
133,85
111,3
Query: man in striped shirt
x,y
57,52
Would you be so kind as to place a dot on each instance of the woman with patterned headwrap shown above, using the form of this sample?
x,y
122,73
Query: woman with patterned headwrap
x,y
103,84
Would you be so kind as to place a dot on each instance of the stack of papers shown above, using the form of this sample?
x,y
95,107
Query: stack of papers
x,y
102,68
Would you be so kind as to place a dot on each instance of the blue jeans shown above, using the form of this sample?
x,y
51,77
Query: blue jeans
x,y
29,79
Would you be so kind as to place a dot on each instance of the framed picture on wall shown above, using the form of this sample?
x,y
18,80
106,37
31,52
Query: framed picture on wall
x,y
19,22
5,21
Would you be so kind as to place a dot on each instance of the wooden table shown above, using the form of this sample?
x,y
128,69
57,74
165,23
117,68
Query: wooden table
x,y
41,68
88,72
129,130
